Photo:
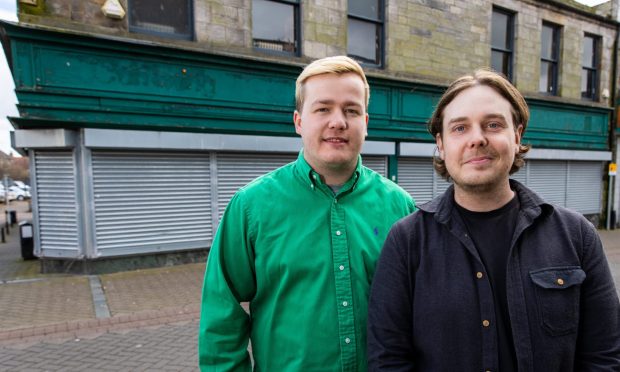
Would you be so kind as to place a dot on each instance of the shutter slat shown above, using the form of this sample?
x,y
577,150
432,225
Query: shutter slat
x,y
56,200
150,201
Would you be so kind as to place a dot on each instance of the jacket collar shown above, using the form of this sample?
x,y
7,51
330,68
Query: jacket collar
x,y
531,204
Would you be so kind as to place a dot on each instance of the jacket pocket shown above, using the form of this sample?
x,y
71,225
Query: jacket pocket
x,y
557,293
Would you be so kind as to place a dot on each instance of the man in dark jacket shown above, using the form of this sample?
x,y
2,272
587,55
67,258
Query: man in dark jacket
x,y
489,276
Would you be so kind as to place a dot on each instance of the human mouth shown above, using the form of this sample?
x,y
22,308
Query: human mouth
x,y
478,160
335,140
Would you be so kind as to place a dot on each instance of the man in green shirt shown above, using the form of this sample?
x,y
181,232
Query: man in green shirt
x,y
300,243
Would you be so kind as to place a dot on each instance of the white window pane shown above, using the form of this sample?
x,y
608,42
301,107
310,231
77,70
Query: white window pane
x,y
362,40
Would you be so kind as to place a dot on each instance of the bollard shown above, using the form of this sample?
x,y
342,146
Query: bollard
x,y
3,237
13,217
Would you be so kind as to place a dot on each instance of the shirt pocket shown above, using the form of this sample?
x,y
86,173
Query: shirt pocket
x,y
557,293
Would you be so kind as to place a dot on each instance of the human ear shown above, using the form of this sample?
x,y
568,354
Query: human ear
x,y
439,142
297,121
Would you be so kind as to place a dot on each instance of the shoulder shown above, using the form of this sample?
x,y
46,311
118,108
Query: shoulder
x,y
268,182
383,185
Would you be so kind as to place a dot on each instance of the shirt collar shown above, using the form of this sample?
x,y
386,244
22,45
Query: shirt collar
x,y
313,179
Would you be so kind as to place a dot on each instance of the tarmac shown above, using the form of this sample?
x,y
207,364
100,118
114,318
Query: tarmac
x,y
36,307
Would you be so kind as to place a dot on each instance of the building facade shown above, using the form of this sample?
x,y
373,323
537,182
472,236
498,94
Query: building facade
x,y
142,118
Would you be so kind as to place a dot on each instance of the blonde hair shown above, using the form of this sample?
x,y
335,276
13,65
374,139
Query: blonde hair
x,y
484,77
329,65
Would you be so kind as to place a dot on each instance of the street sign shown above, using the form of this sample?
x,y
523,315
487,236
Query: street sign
x,y
613,168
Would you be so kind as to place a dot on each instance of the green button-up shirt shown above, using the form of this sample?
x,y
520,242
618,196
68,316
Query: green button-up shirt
x,y
304,259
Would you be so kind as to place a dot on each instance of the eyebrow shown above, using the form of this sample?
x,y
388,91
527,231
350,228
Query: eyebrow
x,y
331,102
486,117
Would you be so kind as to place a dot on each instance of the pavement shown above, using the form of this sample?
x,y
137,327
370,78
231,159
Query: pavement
x,y
134,320
113,316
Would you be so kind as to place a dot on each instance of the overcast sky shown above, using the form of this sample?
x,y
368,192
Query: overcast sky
x,y
7,88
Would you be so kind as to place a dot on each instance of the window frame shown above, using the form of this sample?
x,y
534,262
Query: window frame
x,y
140,30
592,94
510,31
380,21
555,40
296,4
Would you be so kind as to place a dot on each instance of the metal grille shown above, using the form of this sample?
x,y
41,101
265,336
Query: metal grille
x,y
151,202
56,199
521,174
376,163
548,179
235,170
584,186
416,176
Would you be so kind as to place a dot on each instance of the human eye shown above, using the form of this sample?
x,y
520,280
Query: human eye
x,y
321,109
458,128
352,111
494,125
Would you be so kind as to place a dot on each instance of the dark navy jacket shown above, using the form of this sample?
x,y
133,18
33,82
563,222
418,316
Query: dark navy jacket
x,y
432,309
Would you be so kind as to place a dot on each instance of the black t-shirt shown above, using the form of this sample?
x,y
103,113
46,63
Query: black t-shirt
x,y
492,234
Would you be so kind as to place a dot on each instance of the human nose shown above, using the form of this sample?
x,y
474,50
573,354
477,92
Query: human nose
x,y
477,137
338,120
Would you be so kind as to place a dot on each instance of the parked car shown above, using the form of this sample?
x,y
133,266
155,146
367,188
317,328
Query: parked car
x,y
11,195
20,194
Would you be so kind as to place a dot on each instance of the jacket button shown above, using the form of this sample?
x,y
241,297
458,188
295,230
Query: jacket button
x,y
485,323
560,281
479,275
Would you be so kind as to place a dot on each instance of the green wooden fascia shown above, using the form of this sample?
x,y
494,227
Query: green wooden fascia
x,y
75,80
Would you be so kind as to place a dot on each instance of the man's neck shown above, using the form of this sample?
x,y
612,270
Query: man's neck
x,y
336,177
482,199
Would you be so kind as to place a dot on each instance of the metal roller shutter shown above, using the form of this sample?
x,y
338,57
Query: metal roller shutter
x,y
56,203
376,163
548,179
521,174
235,170
150,202
584,186
418,177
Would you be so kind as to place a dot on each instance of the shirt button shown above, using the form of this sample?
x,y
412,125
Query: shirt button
x,y
485,323
479,275
311,186
338,233
347,340
560,281
345,304
341,267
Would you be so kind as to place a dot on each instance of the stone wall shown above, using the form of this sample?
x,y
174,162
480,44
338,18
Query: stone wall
x,y
429,40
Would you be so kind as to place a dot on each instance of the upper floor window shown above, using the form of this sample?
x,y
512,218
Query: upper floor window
x,y
365,31
275,25
502,41
549,58
589,66
169,18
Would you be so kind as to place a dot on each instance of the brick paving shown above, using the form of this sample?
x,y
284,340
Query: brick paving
x,y
170,347
46,301
155,289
